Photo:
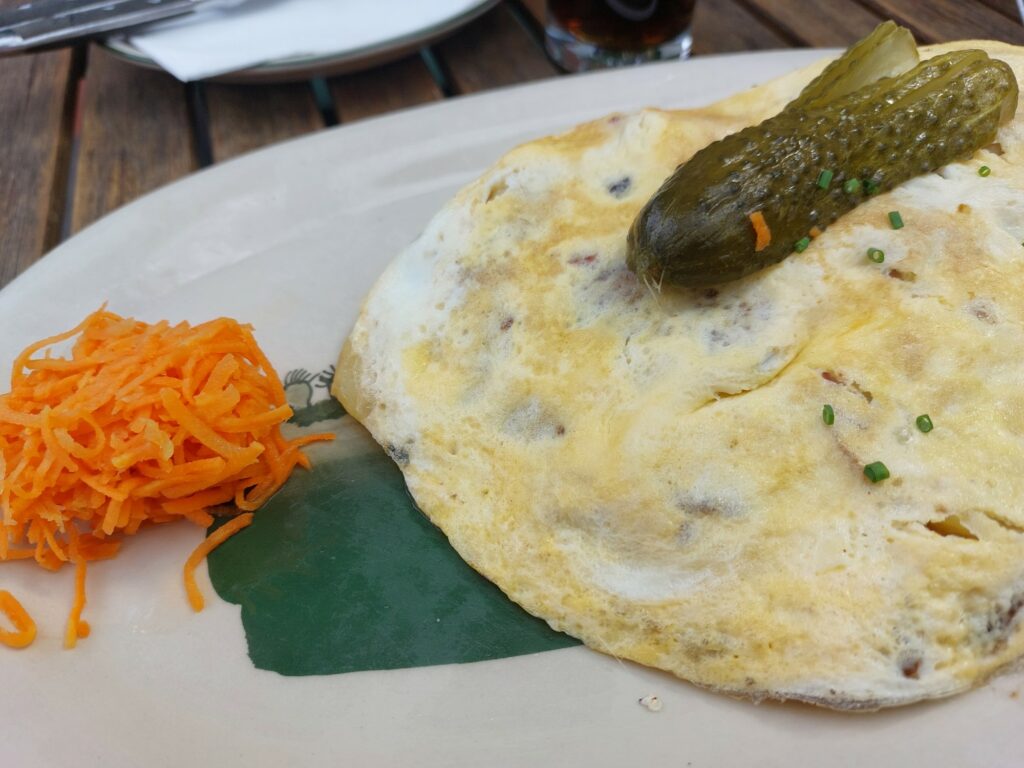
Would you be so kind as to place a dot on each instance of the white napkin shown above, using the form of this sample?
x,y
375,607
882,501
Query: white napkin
x,y
225,39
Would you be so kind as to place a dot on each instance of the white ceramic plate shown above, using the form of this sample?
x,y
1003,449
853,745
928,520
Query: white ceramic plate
x,y
344,37
290,239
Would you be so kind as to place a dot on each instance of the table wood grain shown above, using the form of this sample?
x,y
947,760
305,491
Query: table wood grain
x,y
243,118
35,140
134,136
817,24
401,84
83,133
730,26
472,58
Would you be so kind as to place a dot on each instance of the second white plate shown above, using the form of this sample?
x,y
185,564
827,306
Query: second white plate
x,y
342,36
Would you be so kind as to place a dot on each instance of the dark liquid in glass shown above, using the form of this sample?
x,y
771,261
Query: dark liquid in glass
x,y
627,25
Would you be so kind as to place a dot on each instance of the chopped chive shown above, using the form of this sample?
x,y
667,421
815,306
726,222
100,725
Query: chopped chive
x,y
895,219
876,471
825,178
828,415
984,170
877,255
851,186
801,245
870,186
924,423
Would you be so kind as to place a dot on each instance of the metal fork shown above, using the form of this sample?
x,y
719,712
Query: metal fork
x,y
46,23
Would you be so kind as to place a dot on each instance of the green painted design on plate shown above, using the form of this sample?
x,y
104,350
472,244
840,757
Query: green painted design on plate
x,y
340,572
300,389
325,410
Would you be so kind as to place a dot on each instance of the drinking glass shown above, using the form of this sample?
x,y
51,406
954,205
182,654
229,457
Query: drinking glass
x,y
594,34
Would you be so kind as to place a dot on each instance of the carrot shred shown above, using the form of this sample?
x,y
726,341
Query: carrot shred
x,y
761,231
210,543
128,424
19,554
73,631
24,628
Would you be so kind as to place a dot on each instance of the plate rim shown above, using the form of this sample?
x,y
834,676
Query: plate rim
x,y
479,101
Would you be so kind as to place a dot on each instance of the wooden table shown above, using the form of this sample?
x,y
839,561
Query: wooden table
x,y
82,133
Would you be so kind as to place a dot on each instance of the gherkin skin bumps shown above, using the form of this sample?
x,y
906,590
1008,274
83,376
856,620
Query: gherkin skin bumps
x,y
695,231
888,51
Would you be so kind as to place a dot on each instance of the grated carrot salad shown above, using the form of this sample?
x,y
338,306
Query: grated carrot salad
x,y
141,424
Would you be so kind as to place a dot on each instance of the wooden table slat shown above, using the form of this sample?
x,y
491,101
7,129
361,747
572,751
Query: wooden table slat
x,y
725,26
136,136
817,24
941,20
35,140
537,9
493,51
246,117
400,84
1006,7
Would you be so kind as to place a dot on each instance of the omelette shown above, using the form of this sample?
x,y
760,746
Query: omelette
x,y
654,469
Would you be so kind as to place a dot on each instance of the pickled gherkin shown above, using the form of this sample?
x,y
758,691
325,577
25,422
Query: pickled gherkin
x,y
888,51
797,169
